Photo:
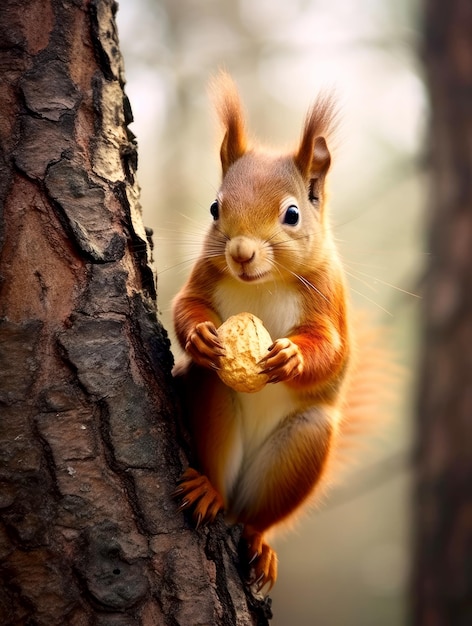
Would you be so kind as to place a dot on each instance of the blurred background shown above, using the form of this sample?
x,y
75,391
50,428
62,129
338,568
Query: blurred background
x,y
346,564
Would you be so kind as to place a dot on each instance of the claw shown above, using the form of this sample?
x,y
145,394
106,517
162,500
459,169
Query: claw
x,y
200,495
262,561
283,362
258,583
183,505
204,346
253,558
214,332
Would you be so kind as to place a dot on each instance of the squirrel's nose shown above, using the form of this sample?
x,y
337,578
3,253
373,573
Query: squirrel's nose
x,y
242,250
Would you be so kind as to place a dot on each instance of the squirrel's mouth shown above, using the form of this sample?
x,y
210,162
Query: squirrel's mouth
x,y
252,278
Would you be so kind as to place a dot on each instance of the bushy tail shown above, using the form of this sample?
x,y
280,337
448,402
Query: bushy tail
x,y
370,394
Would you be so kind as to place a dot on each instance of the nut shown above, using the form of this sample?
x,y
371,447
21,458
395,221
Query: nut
x,y
246,341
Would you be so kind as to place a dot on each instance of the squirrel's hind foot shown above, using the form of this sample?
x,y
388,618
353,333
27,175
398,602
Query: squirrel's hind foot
x,y
262,560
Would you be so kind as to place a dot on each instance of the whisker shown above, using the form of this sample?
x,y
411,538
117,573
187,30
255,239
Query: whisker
x,y
369,265
191,258
222,233
303,280
306,282
180,236
361,280
175,266
376,304
387,284
194,221
289,240
365,274
276,267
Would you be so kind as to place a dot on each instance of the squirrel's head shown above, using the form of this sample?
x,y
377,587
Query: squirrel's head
x,y
269,217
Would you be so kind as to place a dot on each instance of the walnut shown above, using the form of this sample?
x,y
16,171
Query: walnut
x,y
246,341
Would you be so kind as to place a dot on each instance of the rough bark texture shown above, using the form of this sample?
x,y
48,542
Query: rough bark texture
x,y
88,455
442,584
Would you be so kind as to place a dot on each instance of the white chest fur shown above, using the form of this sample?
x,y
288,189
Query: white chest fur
x,y
257,417
258,414
276,305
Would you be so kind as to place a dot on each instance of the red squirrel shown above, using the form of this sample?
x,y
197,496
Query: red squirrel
x,y
269,251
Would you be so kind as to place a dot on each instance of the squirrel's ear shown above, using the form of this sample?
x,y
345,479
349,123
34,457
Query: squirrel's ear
x,y
230,111
313,158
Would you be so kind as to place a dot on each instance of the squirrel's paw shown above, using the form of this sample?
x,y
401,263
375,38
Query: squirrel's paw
x,y
204,346
262,560
195,490
283,362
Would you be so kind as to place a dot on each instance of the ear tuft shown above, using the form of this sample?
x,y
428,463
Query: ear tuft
x,y
228,105
313,158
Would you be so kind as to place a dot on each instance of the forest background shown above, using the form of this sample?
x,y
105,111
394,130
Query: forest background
x,y
357,545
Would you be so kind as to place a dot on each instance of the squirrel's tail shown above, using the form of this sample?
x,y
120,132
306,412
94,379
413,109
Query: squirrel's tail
x,y
370,394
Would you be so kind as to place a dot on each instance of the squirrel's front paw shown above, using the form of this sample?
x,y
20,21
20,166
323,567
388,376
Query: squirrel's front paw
x,y
195,491
284,361
204,346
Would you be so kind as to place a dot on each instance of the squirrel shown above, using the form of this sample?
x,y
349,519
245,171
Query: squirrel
x,y
269,251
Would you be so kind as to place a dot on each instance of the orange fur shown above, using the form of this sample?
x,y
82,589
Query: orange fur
x,y
264,454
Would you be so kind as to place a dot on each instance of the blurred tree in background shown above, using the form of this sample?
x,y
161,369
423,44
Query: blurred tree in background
x,y
442,589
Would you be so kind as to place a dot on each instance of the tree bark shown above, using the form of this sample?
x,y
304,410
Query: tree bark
x,y
89,450
442,581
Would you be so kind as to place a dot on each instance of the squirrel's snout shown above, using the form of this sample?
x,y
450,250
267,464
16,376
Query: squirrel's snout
x,y
247,259
242,250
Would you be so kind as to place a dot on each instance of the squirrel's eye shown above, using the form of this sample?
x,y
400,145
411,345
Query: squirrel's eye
x,y
292,215
215,209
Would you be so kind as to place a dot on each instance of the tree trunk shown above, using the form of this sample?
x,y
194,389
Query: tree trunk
x,y
89,533
442,584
